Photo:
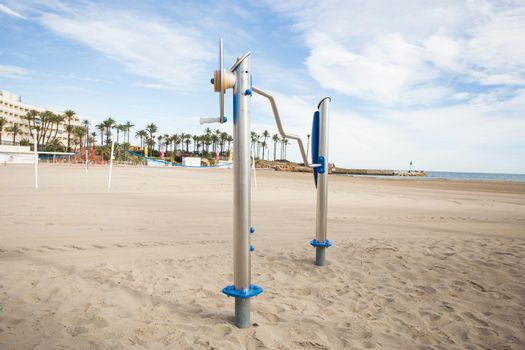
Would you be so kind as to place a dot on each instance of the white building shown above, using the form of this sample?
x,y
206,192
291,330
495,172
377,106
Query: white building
x,y
14,110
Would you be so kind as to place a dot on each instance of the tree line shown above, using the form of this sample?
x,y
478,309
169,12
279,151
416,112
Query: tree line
x,y
46,126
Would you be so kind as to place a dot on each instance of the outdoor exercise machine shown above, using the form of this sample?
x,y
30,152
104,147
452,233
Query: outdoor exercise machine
x,y
239,79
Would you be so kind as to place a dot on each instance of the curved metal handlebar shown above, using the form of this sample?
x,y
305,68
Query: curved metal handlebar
x,y
279,124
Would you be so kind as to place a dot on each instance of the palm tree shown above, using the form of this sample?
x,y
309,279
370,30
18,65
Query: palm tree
x,y
150,142
3,122
151,129
230,140
214,140
223,138
159,138
128,126
195,139
57,119
180,140
108,124
47,119
142,134
187,141
200,143
265,135
101,128
69,114
119,128
86,123
218,134
206,139
79,133
275,139
173,141
30,117
253,137
14,129
167,141
285,144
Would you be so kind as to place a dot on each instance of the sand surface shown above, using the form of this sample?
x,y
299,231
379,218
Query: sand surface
x,y
415,264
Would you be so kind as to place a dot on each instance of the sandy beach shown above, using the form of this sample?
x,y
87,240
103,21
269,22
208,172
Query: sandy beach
x,y
416,264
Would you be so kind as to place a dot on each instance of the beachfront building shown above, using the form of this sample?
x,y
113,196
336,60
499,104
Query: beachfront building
x,y
14,110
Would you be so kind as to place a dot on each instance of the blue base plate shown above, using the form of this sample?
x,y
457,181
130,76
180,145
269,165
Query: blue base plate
x,y
243,294
316,243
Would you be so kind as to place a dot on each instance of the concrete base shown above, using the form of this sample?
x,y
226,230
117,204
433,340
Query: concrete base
x,y
320,256
242,313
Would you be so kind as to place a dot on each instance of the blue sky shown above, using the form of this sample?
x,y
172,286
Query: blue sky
x,y
439,83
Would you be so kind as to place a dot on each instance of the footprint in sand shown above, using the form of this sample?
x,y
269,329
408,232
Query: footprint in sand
x,y
75,247
52,248
76,330
477,320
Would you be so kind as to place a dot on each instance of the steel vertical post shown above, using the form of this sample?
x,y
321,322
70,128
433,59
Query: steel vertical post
x,y
241,192
35,148
322,184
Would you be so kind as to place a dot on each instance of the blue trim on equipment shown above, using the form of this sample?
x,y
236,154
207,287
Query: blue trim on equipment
x,y
316,243
243,294
212,81
252,229
252,248
248,92
315,144
322,161
225,119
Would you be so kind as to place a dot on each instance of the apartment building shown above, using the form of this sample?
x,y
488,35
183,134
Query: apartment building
x,y
14,110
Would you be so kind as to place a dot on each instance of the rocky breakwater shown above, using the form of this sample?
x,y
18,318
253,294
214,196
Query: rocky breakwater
x,y
332,169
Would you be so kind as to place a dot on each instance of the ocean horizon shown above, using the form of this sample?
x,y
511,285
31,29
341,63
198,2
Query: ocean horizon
x,y
453,175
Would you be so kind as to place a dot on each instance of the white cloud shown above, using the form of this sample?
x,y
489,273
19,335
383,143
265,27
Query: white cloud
x,y
13,72
389,52
496,48
10,12
470,137
389,70
152,47
443,52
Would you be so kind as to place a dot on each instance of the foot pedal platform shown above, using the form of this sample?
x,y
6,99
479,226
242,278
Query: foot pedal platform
x,y
243,294
316,243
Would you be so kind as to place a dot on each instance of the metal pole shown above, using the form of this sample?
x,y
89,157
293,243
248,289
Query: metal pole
x,y
241,192
87,144
35,147
111,164
322,184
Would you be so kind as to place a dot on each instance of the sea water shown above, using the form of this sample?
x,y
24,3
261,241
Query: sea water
x,y
449,175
